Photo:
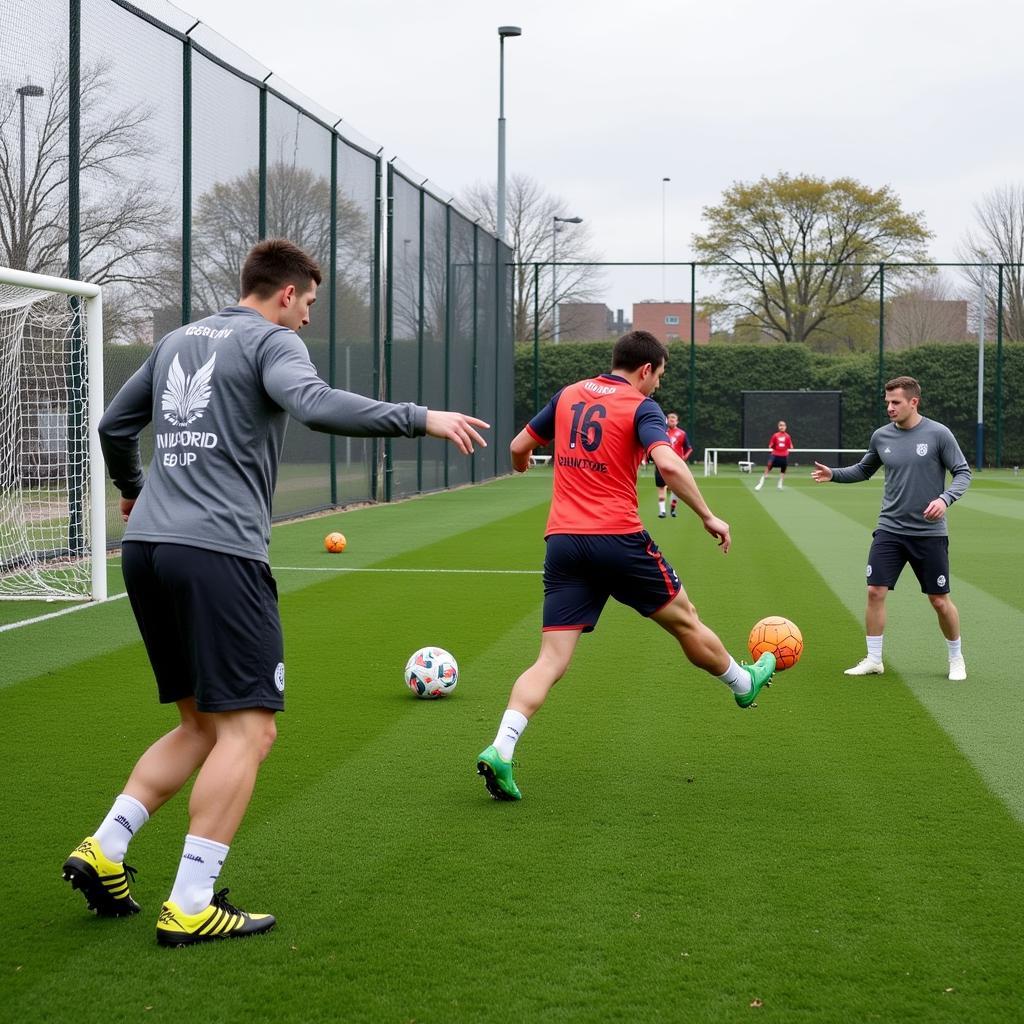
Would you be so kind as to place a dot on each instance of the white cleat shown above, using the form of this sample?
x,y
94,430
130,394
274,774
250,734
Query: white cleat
x,y
867,667
760,484
957,669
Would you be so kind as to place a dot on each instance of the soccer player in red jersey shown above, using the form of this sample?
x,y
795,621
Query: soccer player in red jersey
x,y
681,446
596,544
779,447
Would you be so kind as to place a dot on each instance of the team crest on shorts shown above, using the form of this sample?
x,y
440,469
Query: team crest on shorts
x,y
922,449
867,572
279,677
941,581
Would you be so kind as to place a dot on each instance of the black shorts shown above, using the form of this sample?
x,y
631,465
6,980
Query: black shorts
x,y
659,480
581,571
210,625
782,461
928,557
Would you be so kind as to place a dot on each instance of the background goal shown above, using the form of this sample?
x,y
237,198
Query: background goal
x,y
52,515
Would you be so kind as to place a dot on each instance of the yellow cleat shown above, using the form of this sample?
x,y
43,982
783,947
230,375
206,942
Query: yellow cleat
x,y
103,882
220,920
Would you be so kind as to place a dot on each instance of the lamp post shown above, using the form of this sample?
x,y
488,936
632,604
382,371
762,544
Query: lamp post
x,y
555,221
23,91
503,32
664,294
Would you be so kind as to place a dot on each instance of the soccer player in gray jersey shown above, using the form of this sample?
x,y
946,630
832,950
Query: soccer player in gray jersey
x,y
916,453
219,393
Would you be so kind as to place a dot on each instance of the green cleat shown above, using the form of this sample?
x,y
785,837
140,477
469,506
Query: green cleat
x,y
761,673
497,774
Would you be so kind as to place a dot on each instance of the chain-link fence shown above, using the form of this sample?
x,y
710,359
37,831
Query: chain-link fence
x,y
958,328
143,152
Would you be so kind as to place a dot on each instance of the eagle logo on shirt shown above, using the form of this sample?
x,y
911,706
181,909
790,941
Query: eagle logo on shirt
x,y
186,397
922,449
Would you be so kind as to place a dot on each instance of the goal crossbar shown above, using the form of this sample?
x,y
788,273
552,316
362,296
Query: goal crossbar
x,y
746,460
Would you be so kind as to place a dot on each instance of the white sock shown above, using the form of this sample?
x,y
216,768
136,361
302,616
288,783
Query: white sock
x,y
736,678
760,484
123,820
661,506
780,483
874,648
954,648
201,861
512,725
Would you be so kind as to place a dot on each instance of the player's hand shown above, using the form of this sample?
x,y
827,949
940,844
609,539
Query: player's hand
x,y
935,510
456,427
719,529
126,505
821,474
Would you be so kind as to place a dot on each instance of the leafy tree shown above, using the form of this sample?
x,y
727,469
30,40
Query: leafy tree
x,y
800,254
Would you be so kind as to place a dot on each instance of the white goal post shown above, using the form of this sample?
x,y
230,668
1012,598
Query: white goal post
x,y
52,481
743,456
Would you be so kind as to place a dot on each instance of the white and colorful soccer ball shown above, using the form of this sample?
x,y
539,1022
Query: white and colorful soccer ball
x,y
431,672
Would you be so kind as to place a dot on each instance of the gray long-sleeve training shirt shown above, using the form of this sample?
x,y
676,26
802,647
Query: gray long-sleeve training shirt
x,y
915,463
219,393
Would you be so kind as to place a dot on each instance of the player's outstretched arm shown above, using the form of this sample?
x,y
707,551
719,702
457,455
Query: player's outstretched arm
x,y
680,481
821,474
456,427
522,447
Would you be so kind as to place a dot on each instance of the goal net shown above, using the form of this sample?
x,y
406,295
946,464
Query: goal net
x,y
52,514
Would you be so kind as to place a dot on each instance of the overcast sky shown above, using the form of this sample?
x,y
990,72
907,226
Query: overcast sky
x,y
605,99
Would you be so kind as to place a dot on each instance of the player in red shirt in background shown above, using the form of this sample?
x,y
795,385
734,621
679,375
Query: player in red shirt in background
x,y
596,545
779,447
681,446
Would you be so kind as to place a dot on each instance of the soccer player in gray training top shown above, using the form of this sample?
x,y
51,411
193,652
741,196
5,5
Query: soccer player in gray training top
x,y
916,453
194,558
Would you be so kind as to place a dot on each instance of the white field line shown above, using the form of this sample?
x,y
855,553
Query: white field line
x,y
284,568
63,611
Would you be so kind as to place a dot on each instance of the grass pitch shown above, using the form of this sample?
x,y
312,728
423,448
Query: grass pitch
x,y
851,850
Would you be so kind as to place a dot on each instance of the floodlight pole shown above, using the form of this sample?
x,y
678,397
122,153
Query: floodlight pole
x,y
503,32
664,294
22,92
555,221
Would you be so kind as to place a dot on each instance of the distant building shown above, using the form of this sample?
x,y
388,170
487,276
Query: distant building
x,y
670,321
585,321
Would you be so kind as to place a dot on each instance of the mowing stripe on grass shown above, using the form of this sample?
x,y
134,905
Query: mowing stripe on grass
x,y
983,716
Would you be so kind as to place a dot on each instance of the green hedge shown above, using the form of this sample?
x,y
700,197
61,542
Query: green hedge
x,y
948,376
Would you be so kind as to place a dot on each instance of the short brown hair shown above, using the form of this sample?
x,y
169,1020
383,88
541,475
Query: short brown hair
x,y
909,386
635,349
274,263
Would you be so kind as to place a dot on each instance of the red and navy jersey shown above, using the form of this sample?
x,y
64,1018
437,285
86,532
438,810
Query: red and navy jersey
x,y
780,443
600,428
677,438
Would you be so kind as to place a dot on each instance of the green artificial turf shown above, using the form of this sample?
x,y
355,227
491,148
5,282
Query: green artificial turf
x,y
851,850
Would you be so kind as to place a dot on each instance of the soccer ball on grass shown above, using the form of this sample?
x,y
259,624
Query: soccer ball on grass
x,y
431,672
335,543
781,637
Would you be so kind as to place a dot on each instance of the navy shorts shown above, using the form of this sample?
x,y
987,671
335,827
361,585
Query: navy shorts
x,y
210,624
581,571
659,480
928,557
782,461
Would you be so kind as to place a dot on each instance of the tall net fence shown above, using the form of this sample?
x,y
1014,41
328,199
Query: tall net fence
x,y
957,328
141,151
449,333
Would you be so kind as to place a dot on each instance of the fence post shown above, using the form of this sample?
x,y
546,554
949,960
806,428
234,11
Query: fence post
x,y
186,180
476,315
447,322
881,342
419,344
536,339
999,370
389,314
262,199
693,355
332,305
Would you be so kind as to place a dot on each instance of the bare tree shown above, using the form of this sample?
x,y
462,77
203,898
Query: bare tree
x,y
999,238
800,254
928,311
123,221
529,224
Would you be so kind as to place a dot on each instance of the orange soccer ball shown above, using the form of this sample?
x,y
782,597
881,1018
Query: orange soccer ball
x,y
335,543
781,637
